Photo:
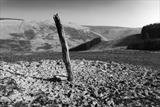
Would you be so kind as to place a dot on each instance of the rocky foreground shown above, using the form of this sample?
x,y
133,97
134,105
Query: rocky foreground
x,y
96,83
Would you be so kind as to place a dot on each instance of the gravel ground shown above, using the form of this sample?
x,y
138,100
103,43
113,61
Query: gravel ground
x,y
96,83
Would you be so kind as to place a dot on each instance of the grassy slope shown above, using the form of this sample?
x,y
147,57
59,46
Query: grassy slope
x,y
143,58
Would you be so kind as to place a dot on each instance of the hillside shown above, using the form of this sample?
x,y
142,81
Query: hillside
x,y
112,38
22,36
113,32
121,43
128,38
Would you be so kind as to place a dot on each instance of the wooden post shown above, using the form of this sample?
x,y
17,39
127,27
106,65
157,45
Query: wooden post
x,y
65,51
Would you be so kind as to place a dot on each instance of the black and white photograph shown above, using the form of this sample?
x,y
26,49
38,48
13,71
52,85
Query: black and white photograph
x,y
79,53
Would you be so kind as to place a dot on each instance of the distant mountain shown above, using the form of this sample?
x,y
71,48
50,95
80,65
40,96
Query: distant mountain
x,y
22,36
112,38
112,33
18,35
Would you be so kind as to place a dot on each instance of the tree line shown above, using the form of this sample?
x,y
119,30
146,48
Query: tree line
x,y
150,38
151,31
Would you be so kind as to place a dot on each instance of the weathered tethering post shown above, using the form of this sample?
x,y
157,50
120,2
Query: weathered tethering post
x,y
65,51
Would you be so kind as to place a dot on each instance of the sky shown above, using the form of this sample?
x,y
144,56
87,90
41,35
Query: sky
x,y
126,13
